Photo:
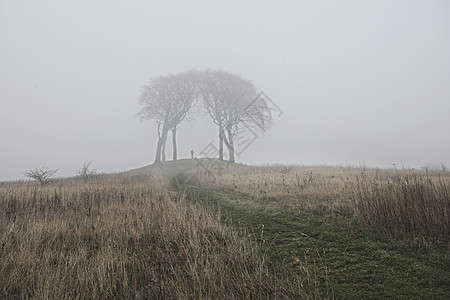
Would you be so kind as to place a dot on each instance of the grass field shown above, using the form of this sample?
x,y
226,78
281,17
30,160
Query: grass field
x,y
178,231
124,237
361,233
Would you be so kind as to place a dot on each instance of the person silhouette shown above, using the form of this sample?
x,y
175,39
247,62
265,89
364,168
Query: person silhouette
x,y
192,153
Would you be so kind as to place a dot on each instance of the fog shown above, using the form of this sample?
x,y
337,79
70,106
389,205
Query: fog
x,y
359,82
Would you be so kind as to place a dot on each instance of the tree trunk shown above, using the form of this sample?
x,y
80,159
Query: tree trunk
x,y
163,150
174,142
221,135
160,146
230,145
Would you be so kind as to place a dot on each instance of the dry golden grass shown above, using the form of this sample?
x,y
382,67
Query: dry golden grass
x,y
313,187
124,237
408,204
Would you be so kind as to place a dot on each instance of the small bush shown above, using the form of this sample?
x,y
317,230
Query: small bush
x,y
85,171
42,174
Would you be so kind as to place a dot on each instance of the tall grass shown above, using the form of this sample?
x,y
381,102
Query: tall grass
x,y
124,237
297,187
414,205
407,205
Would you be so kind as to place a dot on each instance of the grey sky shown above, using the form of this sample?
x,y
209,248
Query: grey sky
x,y
358,81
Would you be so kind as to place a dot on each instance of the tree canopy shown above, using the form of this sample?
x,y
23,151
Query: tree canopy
x,y
168,100
228,99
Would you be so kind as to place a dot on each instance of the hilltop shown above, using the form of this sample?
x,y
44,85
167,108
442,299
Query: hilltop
x,y
171,168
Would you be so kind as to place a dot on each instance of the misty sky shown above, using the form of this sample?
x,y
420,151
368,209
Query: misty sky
x,y
359,82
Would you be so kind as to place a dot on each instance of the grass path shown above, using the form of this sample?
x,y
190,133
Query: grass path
x,y
343,263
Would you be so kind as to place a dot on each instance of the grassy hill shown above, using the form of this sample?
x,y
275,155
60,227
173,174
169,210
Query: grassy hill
x,y
169,169
205,229
350,233
125,237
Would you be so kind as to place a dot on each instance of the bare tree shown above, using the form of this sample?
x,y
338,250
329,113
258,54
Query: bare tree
x,y
156,107
85,171
184,95
228,100
168,100
42,174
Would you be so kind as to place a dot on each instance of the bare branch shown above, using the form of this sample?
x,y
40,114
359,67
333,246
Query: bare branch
x,y
85,171
42,174
228,100
168,100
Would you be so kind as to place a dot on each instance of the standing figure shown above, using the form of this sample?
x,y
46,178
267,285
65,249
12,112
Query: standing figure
x,y
192,153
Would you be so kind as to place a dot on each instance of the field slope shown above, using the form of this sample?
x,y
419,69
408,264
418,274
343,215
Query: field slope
x,y
336,254
178,230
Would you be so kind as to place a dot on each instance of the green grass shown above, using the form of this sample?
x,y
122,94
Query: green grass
x,y
336,257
